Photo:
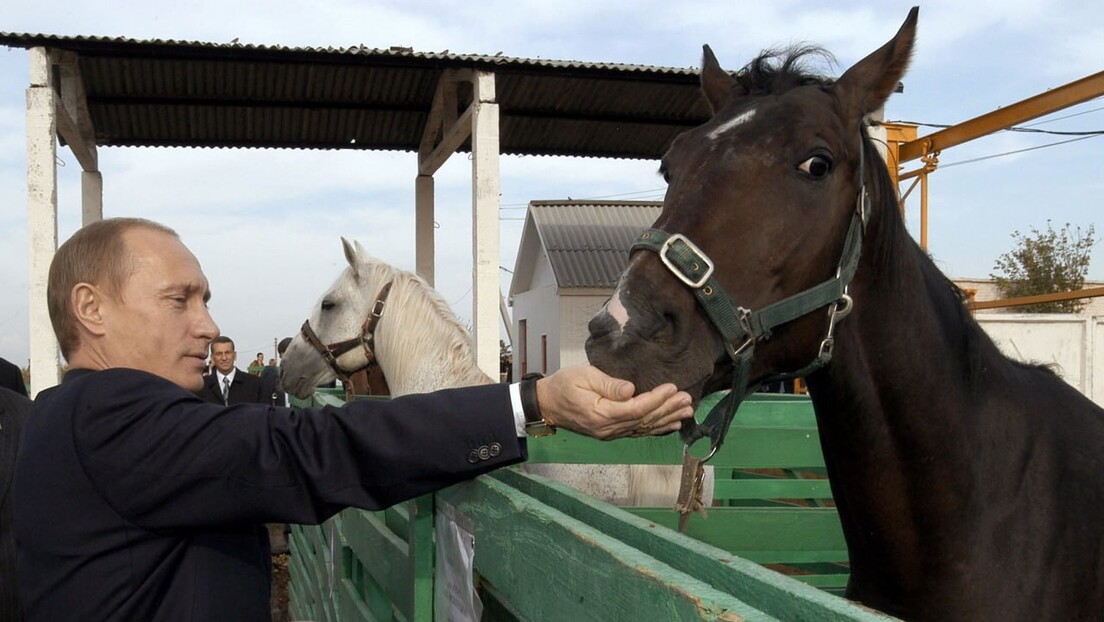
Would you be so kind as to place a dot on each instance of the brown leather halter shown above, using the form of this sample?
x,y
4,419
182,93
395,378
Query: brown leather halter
x,y
366,340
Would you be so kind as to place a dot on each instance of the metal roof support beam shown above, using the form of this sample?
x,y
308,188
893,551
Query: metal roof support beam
x,y
1044,103
485,231
42,235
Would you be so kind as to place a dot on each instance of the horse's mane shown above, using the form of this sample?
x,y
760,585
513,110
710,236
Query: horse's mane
x,y
422,322
894,249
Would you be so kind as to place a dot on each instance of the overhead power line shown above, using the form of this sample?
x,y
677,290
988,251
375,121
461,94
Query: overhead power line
x,y
1015,151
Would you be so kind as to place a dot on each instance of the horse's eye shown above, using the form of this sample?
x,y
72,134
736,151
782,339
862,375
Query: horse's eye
x,y
816,167
327,305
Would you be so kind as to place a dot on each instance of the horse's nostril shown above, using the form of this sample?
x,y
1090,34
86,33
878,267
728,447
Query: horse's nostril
x,y
601,324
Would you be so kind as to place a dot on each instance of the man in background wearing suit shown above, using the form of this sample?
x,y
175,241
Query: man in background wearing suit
x,y
14,410
229,385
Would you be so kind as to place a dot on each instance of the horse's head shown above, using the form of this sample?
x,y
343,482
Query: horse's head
x,y
337,337
767,190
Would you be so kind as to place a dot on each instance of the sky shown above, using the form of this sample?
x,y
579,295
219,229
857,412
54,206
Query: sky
x,y
266,224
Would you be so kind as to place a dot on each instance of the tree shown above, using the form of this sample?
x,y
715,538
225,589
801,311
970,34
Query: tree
x,y
1046,262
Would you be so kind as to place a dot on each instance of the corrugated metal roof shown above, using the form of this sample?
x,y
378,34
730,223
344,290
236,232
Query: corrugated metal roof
x,y
188,93
588,241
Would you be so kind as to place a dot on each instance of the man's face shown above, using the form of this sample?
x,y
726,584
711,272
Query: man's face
x,y
159,322
224,356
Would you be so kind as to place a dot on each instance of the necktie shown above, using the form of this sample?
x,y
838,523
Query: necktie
x,y
226,391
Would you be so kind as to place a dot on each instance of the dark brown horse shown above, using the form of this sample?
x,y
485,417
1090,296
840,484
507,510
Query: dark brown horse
x,y
970,486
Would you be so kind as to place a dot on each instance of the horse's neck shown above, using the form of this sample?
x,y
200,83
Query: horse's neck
x,y
419,351
894,410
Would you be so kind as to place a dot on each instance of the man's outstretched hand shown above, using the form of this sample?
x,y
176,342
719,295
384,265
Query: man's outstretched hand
x,y
584,399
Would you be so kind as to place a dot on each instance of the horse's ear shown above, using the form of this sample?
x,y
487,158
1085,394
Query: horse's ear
x,y
351,256
716,83
867,85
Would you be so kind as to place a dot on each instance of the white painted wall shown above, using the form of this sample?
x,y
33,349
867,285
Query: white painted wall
x,y
1072,344
539,308
575,314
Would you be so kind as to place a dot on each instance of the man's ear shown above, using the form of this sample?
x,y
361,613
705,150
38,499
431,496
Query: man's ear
x,y
87,301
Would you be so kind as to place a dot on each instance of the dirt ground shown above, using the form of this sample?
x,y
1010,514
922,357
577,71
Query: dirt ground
x,y
280,573
280,588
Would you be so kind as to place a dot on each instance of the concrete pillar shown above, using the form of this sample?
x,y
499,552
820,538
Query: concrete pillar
x,y
424,228
485,230
91,197
41,217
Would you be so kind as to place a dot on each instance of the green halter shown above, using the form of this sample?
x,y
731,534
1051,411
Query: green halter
x,y
741,328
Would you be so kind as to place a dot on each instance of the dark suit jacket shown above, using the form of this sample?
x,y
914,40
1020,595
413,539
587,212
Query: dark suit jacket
x,y
137,500
14,410
245,389
11,377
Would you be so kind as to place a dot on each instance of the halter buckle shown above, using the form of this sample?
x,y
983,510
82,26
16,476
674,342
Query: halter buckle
x,y
674,268
735,353
377,309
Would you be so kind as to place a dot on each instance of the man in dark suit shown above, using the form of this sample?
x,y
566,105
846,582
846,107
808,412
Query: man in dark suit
x,y
134,499
11,377
228,385
14,410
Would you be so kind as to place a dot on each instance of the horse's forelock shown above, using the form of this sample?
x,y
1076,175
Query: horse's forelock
x,y
777,70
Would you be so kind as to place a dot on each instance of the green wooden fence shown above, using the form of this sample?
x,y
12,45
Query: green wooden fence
x,y
547,552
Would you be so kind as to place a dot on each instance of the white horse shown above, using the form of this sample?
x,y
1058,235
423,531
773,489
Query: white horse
x,y
377,313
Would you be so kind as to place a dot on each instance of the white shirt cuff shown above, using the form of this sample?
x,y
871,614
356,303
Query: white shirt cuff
x,y
519,412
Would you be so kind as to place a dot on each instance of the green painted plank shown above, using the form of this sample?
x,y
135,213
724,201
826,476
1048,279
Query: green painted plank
x,y
385,557
747,448
554,567
771,489
420,535
311,565
758,528
797,411
351,606
766,590
824,581
299,581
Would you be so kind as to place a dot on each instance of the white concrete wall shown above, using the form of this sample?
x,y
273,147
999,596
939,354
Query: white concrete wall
x,y
575,314
1072,344
539,308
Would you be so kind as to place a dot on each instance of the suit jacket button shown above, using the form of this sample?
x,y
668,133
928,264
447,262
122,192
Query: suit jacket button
x,y
495,449
484,453
473,457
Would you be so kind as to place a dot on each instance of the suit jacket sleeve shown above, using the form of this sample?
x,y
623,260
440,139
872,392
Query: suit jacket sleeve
x,y
164,458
